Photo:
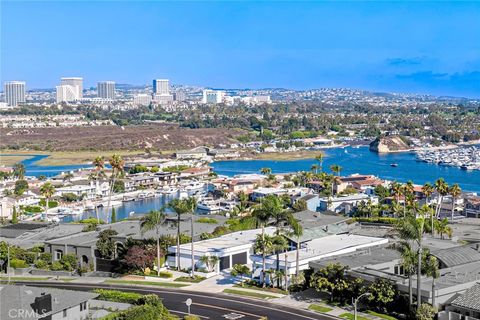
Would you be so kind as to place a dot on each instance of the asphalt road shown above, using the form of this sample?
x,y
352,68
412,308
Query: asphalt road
x,y
205,305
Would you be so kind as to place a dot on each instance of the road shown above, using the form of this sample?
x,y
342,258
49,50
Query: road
x,y
205,305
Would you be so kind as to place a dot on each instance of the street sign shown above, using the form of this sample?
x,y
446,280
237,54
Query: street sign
x,y
188,302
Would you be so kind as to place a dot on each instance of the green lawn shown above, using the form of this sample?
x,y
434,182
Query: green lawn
x,y
266,289
381,315
319,308
147,283
197,279
350,316
249,294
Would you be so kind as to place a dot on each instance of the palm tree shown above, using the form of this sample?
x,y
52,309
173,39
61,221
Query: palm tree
x,y
180,207
441,187
455,191
19,170
117,164
154,220
431,270
442,227
279,244
315,168
427,190
191,204
297,232
47,190
411,228
336,169
99,173
266,171
319,158
409,261
210,262
263,244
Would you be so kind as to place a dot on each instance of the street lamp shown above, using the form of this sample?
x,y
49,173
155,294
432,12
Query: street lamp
x,y
366,294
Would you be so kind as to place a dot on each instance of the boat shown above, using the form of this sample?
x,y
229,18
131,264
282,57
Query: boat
x,y
394,165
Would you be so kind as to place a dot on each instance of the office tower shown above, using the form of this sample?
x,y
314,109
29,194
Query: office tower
x,y
14,92
67,93
76,83
106,89
213,96
161,86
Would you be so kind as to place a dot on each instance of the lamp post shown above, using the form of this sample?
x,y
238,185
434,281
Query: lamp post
x,y
366,294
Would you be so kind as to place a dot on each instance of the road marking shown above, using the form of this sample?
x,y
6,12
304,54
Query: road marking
x,y
181,312
227,309
233,316
184,293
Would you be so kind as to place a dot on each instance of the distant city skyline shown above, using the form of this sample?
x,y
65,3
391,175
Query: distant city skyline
x,y
374,46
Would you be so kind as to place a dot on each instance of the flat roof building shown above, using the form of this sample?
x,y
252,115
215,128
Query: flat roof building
x,y
14,93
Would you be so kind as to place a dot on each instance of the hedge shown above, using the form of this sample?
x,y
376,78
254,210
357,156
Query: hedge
x,y
118,296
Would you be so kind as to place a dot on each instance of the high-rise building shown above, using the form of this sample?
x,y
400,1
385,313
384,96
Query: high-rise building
x,y
14,92
67,93
161,86
106,89
75,82
179,95
142,99
213,96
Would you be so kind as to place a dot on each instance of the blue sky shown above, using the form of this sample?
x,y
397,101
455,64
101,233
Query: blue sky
x,y
420,47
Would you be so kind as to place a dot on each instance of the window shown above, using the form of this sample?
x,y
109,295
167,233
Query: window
x,y
58,254
64,313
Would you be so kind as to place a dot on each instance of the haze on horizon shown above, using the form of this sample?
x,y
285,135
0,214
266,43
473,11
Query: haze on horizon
x,y
411,47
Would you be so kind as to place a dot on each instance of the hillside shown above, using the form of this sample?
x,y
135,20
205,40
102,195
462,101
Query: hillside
x,y
389,144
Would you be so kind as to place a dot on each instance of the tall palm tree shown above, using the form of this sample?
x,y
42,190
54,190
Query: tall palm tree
x,y
180,207
279,244
319,158
397,190
455,191
409,261
263,244
98,174
336,169
441,187
431,269
262,213
412,228
47,190
315,168
297,232
428,190
154,220
117,164
191,204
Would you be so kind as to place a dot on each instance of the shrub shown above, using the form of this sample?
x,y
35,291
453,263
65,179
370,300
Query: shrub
x,y
56,266
45,256
166,274
207,220
191,317
118,296
17,263
426,312
69,261
41,264
91,220
382,220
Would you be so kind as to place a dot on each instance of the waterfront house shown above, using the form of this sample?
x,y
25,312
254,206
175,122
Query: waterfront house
x,y
345,204
223,153
195,153
26,302
263,192
201,172
26,199
472,207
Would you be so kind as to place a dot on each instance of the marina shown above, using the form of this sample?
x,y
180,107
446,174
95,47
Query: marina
x,y
463,158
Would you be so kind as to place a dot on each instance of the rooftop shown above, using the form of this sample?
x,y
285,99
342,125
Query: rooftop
x,y
470,299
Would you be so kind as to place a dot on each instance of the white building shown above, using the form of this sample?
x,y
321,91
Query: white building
x,y
106,89
163,98
213,96
67,93
76,83
142,99
161,86
14,92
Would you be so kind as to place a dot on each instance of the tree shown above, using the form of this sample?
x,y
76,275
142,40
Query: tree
x,y
19,170
300,205
138,257
382,292
266,171
105,244
191,204
455,191
20,187
180,207
441,187
154,220
117,164
431,269
47,190
425,312
240,270
319,158
330,279
279,244
263,244
210,262
14,216
297,232
411,228
114,215
408,262
336,169
381,192
98,174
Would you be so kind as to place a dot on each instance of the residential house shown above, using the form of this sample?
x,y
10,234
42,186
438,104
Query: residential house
x,y
472,207
195,153
464,307
345,204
